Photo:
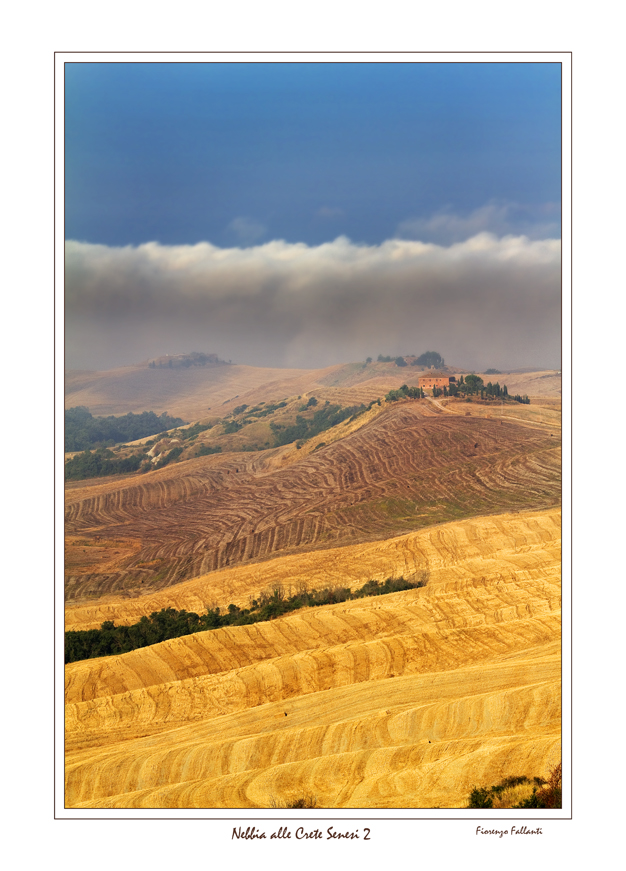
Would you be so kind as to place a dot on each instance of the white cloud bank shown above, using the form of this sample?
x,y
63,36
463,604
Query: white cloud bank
x,y
482,302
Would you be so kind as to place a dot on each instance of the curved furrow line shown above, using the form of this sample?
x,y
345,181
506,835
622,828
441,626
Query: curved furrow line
x,y
401,456
418,776
534,703
516,545
130,494
459,610
161,489
411,714
174,705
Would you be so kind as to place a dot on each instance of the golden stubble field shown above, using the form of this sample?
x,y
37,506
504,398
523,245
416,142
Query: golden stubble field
x,y
405,700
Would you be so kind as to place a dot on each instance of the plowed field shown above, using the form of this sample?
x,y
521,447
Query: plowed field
x,y
405,700
411,466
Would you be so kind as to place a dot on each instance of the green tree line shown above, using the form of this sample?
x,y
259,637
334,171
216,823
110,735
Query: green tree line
x,y
83,431
405,392
103,462
169,623
99,464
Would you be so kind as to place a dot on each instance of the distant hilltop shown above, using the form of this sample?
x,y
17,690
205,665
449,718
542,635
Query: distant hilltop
x,y
427,360
184,361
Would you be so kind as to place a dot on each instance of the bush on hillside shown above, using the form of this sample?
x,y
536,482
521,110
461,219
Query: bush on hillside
x,y
550,794
301,802
537,793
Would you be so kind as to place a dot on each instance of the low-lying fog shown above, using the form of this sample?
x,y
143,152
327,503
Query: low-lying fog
x,y
484,302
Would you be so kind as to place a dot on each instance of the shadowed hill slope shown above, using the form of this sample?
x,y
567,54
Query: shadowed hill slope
x,y
410,466
189,393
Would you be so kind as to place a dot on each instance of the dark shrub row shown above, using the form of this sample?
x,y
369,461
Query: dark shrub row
x,y
84,431
169,623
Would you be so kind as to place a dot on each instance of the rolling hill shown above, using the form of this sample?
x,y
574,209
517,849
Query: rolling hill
x,y
402,700
407,467
191,393
405,699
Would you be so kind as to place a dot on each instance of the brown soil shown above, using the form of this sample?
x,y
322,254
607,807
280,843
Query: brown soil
x,y
411,466
86,554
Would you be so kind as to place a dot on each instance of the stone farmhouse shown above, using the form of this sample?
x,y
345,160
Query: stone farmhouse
x,y
436,380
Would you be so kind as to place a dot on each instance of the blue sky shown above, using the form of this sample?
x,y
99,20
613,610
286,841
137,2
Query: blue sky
x,y
242,153
304,214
